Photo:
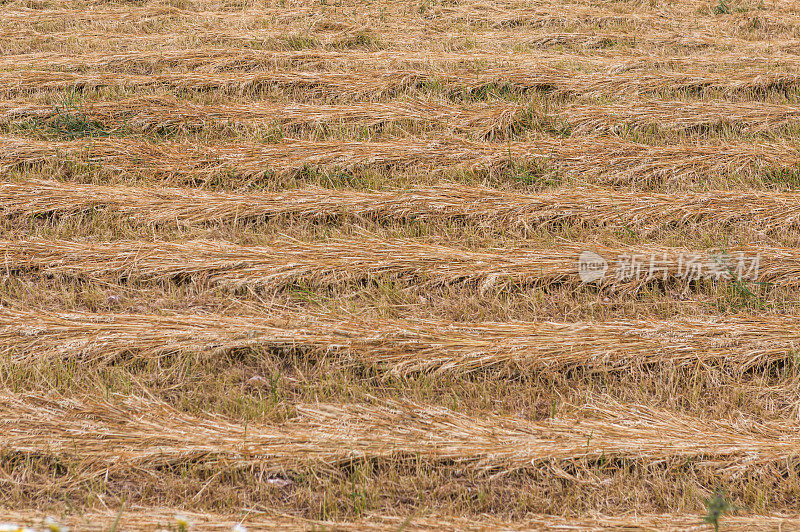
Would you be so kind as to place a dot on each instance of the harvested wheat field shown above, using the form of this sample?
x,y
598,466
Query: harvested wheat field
x,y
400,265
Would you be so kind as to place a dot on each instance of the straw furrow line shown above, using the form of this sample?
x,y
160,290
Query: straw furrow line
x,y
286,263
749,117
559,16
605,160
490,208
376,84
335,262
165,113
338,84
237,59
485,121
229,59
492,47
147,518
218,60
403,347
146,434
662,20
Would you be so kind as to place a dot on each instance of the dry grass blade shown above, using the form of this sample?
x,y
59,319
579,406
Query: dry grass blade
x,y
622,161
769,211
349,261
403,347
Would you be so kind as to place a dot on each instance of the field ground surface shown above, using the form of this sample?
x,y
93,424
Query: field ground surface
x,y
315,265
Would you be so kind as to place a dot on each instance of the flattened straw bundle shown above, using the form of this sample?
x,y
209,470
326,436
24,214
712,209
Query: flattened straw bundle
x,y
146,518
544,15
653,24
201,60
103,13
631,82
376,84
350,84
404,347
622,161
229,58
155,113
139,434
488,207
285,263
343,261
136,517
750,117
483,120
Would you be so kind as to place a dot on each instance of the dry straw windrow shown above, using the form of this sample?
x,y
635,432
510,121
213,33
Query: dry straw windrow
x,y
482,120
229,59
765,210
362,260
480,12
146,518
403,347
749,117
168,113
140,434
376,84
662,20
622,161
205,59
236,59
240,26
491,45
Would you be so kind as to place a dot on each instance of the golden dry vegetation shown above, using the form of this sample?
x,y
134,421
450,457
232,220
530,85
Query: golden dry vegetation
x,y
314,265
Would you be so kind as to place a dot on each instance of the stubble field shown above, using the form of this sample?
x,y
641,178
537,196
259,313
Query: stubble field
x,y
315,265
